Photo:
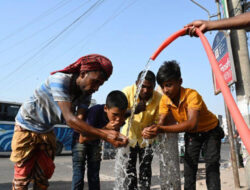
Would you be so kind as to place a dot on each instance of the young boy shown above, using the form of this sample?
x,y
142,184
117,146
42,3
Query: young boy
x,y
201,127
88,149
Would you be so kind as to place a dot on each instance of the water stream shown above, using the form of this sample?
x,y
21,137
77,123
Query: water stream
x,y
169,170
122,156
139,86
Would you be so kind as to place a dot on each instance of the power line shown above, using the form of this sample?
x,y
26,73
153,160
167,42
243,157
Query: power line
x,y
43,15
39,31
96,4
120,10
112,17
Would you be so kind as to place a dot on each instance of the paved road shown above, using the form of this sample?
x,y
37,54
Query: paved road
x,y
61,179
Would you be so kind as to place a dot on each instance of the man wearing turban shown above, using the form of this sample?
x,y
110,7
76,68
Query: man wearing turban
x,y
64,93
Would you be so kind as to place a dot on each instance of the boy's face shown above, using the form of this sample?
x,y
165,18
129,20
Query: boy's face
x,y
147,90
89,82
171,88
115,114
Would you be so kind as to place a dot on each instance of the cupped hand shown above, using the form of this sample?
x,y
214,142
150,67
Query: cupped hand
x,y
116,138
150,132
113,125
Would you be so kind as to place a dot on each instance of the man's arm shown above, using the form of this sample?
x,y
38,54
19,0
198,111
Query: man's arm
x,y
76,123
84,138
111,125
80,126
238,22
81,113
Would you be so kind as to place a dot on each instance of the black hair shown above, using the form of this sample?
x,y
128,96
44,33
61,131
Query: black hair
x,y
150,76
170,70
117,99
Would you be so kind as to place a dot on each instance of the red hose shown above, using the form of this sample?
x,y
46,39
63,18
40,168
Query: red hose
x,y
241,125
167,42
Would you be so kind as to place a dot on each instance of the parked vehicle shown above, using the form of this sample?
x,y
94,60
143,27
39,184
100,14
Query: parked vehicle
x,y
8,112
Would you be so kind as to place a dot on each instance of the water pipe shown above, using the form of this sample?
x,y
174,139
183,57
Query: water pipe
x,y
241,125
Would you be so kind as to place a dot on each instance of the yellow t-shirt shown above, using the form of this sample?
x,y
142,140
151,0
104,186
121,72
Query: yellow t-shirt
x,y
143,119
189,99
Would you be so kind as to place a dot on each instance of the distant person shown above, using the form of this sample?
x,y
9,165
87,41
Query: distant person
x,y
87,150
34,142
201,127
238,22
238,143
146,114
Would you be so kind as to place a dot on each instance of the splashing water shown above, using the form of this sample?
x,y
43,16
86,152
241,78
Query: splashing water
x,y
139,86
122,157
166,149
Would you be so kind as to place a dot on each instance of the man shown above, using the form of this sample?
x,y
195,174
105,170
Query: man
x,y
33,143
146,114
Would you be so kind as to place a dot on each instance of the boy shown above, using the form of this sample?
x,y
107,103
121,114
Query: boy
x,y
88,149
146,113
33,142
201,127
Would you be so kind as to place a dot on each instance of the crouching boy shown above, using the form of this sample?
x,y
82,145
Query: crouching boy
x,y
86,149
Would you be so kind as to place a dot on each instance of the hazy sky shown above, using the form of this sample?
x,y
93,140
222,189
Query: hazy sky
x,y
40,36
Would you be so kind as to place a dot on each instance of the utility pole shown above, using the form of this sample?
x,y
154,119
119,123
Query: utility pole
x,y
232,150
242,67
230,128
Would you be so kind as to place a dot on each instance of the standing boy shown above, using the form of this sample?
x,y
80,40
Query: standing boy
x,y
109,116
33,143
146,114
201,127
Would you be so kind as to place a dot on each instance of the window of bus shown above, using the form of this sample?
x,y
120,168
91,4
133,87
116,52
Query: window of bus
x,y
8,112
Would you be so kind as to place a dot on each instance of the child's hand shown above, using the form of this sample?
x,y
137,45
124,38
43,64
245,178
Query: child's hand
x,y
114,125
150,132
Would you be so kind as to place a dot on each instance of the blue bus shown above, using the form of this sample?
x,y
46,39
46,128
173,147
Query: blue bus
x,y
8,111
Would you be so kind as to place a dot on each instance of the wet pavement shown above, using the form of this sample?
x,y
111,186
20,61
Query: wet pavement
x,y
61,179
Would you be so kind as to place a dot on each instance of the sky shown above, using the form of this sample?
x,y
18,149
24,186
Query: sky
x,y
41,36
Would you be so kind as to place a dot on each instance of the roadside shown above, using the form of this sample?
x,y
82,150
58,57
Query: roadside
x,y
61,179
63,182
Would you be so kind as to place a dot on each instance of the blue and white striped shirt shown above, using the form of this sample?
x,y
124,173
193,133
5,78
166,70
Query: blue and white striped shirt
x,y
41,112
